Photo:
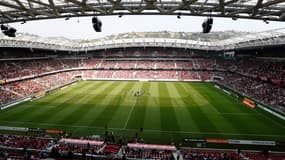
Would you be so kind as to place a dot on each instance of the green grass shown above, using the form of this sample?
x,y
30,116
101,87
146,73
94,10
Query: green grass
x,y
167,112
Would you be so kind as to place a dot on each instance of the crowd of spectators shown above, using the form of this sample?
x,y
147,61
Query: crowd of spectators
x,y
108,64
6,96
260,67
194,154
12,154
184,64
15,69
206,75
19,68
166,75
145,64
265,92
69,150
144,74
208,154
188,75
24,147
204,63
25,88
90,63
240,74
149,154
27,142
104,74
20,89
22,68
165,64
120,74
149,53
148,74
126,64
60,149
30,148
69,63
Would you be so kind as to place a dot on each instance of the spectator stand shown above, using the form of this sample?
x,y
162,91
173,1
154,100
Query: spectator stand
x,y
261,79
229,154
80,148
149,151
24,147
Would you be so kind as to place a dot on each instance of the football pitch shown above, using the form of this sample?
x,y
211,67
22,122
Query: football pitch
x,y
162,112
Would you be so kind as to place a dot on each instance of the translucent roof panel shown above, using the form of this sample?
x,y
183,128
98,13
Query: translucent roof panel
x,y
250,39
59,2
4,8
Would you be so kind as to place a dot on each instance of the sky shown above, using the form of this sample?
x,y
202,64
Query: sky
x,y
81,28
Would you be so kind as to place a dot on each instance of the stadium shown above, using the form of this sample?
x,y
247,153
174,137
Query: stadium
x,y
142,95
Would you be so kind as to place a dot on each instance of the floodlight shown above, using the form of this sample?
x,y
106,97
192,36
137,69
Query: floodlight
x,y
234,18
8,30
266,21
3,27
207,25
97,24
23,22
179,15
120,15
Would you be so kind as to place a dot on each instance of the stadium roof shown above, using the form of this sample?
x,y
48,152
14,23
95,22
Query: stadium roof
x,y
25,10
252,40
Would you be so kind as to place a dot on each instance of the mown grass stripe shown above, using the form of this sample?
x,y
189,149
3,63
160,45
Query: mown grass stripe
x,y
67,107
230,122
199,99
135,118
108,108
152,115
222,103
108,104
168,117
221,122
185,119
119,119
39,110
197,112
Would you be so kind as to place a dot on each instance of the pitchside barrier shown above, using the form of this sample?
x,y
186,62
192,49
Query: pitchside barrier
x,y
34,130
232,141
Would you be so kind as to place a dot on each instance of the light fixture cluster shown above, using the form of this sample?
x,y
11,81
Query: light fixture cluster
x,y
97,24
207,25
8,30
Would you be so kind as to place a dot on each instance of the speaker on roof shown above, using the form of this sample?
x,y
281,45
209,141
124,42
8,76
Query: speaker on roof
x,y
8,30
207,25
4,28
97,24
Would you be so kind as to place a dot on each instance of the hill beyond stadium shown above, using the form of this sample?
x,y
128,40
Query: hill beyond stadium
x,y
146,95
